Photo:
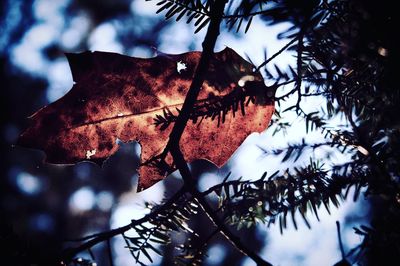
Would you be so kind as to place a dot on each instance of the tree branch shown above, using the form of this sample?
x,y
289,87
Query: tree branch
x,y
277,53
369,152
206,241
189,182
340,240
217,11
95,239
299,66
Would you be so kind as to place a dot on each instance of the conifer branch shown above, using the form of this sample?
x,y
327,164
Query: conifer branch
x,y
191,184
95,239
277,53
173,144
208,49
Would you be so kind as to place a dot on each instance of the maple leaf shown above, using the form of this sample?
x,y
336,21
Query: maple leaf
x,y
116,97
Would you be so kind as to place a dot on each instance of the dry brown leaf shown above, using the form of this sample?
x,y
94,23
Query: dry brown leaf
x,y
117,97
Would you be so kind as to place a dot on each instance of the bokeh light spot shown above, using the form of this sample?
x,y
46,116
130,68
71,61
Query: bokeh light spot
x,y
28,184
216,255
82,200
104,200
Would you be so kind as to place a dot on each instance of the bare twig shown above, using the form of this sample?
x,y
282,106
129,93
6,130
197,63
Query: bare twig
x,y
340,240
109,251
277,53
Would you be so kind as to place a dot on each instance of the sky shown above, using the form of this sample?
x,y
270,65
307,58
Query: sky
x,y
52,24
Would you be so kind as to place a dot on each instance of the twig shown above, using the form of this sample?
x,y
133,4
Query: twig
x,y
204,244
340,240
313,94
187,177
288,93
277,53
375,160
109,250
217,11
250,14
105,236
199,76
295,89
229,235
192,9
299,66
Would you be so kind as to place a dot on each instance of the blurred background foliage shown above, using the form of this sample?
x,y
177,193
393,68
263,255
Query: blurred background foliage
x,y
43,205
348,57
